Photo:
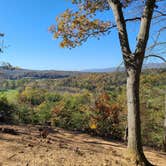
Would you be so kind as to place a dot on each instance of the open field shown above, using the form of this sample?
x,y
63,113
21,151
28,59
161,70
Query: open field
x,y
64,148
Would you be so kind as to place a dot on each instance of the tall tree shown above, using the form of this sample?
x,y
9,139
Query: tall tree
x,y
76,26
164,137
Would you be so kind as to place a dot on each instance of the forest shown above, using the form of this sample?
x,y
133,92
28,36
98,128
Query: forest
x,y
93,103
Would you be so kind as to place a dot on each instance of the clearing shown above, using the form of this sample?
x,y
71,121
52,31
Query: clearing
x,y
64,148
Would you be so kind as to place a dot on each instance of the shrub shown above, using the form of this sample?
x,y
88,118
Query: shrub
x,y
44,112
25,114
32,96
106,118
53,97
6,111
72,113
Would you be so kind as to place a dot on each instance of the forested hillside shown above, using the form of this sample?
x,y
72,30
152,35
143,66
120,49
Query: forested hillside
x,y
90,102
7,71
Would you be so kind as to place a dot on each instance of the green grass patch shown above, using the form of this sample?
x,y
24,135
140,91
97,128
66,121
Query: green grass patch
x,y
11,95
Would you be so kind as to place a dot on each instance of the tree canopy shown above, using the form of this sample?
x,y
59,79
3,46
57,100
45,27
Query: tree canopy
x,y
75,26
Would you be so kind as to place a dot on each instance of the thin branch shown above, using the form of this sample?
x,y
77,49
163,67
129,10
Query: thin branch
x,y
156,56
119,66
114,25
157,43
154,45
108,30
1,34
127,20
161,13
133,19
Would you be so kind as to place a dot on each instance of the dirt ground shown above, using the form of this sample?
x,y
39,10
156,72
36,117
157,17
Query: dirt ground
x,y
64,148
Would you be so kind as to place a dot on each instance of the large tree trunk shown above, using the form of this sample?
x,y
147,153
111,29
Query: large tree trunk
x,y
164,137
133,64
134,123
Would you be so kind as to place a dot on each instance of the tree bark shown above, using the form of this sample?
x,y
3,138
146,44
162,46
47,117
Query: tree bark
x,y
164,137
126,134
134,123
133,64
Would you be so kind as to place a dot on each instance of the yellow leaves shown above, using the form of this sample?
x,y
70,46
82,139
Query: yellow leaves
x,y
75,27
55,35
40,107
80,35
67,14
96,22
60,26
93,125
62,44
66,43
76,21
92,10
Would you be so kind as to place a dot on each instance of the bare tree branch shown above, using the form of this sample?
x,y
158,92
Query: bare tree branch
x,y
156,56
1,34
157,48
161,13
1,47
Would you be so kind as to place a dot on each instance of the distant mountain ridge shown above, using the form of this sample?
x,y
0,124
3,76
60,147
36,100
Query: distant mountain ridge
x,y
113,69
37,74
10,72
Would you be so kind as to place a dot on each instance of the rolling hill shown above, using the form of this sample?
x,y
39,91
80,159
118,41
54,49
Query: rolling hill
x,y
14,73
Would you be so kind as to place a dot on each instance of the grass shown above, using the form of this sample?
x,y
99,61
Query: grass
x,y
11,95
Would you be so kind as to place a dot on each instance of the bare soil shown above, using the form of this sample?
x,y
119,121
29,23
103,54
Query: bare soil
x,y
64,148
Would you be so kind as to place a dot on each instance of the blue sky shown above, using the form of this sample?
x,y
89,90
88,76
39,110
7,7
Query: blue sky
x,y
25,24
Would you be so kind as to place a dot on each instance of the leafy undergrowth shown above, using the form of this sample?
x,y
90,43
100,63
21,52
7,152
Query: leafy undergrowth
x,y
64,148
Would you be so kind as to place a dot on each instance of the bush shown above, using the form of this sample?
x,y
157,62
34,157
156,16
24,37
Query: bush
x,y
7,111
72,113
26,114
105,120
32,96
53,97
44,112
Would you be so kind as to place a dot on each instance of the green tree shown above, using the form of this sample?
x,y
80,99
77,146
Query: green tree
x,y
7,111
32,96
75,27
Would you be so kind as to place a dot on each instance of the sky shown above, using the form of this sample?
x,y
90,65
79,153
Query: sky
x,y
25,24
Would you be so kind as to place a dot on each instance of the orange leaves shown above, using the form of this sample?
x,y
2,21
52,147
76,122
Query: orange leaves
x,y
104,119
103,103
56,110
93,6
55,35
62,44
106,109
74,28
